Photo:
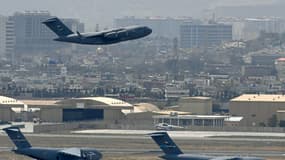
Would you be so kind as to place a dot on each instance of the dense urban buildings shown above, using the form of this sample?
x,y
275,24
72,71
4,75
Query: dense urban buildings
x,y
192,81
204,35
162,27
3,21
25,34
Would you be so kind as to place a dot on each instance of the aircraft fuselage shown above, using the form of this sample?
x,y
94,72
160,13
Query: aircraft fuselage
x,y
107,37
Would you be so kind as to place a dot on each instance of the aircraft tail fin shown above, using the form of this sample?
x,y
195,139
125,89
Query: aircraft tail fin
x,y
17,137
165,143
57,26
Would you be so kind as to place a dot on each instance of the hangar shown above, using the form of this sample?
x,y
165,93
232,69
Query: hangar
x,y
68,110
257,109
9,108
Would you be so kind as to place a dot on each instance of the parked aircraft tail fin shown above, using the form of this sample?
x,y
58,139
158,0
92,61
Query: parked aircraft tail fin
x,y
17,137
165,143
57,27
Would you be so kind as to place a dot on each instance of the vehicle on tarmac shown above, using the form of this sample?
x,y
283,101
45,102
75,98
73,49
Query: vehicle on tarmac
x,y
167,127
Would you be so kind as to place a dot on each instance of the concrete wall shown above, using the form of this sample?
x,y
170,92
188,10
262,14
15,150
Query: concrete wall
x,y
195,105
59,127
113,114
6,114
254,113
44,128
50,114
281,116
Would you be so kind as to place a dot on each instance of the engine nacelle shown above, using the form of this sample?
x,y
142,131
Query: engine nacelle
x,y
111,35
90,154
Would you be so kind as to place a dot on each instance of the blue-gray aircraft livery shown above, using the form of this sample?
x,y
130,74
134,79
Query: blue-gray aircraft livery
x,y
40,153
172,151
96,38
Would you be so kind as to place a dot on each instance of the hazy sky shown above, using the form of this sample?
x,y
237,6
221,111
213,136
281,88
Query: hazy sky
x,y
104,11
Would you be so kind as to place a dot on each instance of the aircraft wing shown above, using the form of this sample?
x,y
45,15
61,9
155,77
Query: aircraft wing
x,y
76,152
102,33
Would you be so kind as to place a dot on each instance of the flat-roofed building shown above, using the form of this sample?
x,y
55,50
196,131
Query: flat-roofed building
x,y
256,109
2,35
204,35
280,68
191,120
195,105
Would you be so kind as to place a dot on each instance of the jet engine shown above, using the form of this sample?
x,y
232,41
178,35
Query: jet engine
x,y
111,35
90,154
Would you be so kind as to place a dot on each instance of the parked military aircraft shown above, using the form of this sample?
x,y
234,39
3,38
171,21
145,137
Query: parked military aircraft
x,y
172,151
96,38
25,148
167,127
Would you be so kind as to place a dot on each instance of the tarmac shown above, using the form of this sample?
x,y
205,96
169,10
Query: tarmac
x,y
135,144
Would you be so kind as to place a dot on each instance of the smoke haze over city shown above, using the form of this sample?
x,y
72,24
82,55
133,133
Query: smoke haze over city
x,y
103,12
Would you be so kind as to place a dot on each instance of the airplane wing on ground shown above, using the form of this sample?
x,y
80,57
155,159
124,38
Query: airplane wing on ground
x,y
76,152
88,154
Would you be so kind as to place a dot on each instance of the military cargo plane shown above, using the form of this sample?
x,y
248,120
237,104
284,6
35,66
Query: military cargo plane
x,y
41,153
96,38
172,151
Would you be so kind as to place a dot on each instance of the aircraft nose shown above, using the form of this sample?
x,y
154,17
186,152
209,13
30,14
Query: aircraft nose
x,y
148,30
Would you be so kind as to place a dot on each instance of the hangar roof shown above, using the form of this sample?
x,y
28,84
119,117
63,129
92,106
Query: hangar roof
x,y
10,101
260,98
196,98
40,102
109,101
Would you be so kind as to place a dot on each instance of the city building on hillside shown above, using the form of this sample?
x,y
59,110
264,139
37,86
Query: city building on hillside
x,y
3,21
31,36
161,27
204,35
280,68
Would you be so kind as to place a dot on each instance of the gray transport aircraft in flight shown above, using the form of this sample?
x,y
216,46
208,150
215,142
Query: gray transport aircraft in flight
x,y
96,38
40,153
172,151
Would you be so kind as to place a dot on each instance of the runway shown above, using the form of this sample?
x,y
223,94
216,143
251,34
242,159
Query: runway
x,y
202,152
198,134
136,142
182,135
